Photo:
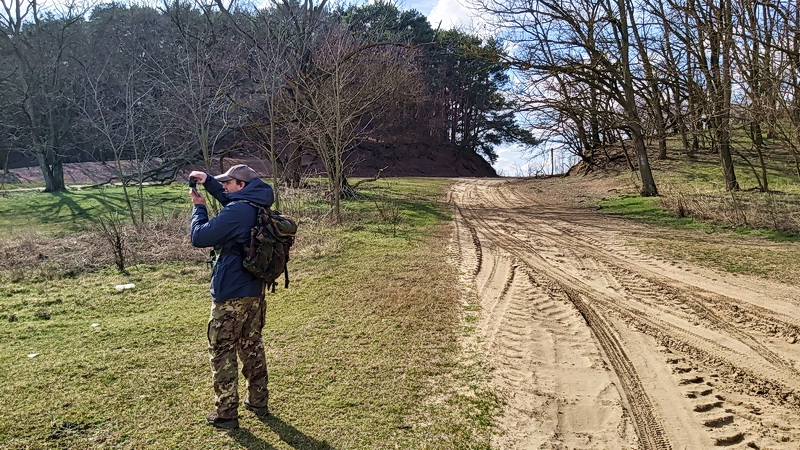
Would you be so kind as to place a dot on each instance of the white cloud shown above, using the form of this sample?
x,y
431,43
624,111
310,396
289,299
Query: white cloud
x,y
422,6
510,161
451,14
514,161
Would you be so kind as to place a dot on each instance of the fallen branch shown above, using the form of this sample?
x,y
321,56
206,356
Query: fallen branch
x,y
375,178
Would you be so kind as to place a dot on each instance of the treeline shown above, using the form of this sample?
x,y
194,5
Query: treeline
x,y
718,74
150,88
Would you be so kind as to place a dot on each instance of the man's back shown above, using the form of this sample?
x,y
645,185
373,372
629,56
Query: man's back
x,y
227,233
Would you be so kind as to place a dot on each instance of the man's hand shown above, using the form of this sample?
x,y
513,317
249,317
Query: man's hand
x,y
198,176
197,199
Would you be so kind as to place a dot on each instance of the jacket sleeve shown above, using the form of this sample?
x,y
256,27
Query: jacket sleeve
x,y
214,188
214,232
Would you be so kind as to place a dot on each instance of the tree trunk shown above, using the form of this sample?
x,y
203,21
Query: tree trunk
x,y
53,172
724,111
648,182
762,162
655,91
629,103
273,158
723,139
292,170
337,202
661,129
594,123
49,162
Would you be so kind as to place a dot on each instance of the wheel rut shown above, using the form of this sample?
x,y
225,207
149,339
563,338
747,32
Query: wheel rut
x,y
594,345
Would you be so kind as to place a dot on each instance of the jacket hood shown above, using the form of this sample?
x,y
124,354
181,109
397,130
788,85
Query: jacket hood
x,y
256,191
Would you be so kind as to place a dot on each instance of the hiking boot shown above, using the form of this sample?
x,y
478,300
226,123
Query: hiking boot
x,y
215,420
260,411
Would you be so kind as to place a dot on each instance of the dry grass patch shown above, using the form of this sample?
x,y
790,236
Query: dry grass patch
x,y
162,238
36,255
714,242
773,211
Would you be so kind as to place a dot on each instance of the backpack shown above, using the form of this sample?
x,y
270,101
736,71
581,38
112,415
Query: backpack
x,y
267,253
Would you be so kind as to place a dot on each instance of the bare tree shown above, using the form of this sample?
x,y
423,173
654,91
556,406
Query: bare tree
x,y
756,57
628,100
705,31
41,42
113,118
126,108
643,45
206,79
270,131
340,98
786,64
290,33
282,39
579,42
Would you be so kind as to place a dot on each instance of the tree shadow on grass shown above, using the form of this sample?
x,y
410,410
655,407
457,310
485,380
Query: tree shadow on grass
x,y
287,432
248,440
67,207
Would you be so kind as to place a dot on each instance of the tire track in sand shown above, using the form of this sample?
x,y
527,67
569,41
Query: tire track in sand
x,y
549,371
636,313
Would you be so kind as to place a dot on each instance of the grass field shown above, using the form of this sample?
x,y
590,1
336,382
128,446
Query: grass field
x,y
363,348
713,227
73,210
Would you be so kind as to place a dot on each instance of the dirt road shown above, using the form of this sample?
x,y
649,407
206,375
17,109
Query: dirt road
x,y
595,345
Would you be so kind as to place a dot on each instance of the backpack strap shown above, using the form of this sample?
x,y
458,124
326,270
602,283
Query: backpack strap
x,y
255,205
271,287
258,214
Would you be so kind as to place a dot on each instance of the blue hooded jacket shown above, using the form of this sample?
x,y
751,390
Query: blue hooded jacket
x,y
227,233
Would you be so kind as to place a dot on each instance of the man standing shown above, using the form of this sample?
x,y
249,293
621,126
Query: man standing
x,y
238,304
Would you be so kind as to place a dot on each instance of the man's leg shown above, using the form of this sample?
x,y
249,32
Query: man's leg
x,y
251,352
224,329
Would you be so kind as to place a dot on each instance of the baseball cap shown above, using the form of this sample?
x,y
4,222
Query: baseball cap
x,y
241,172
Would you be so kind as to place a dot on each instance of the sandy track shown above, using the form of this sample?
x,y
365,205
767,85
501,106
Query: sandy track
x,y
595,345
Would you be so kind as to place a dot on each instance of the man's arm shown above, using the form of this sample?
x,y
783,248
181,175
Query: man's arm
x,y
217,231
212,186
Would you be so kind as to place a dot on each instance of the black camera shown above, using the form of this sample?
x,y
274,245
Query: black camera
x,y
193,186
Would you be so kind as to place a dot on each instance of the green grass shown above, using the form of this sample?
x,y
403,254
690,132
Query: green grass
x,y
363,348
776,262
72,210
703,242
700,180
705,173
710,238
648,210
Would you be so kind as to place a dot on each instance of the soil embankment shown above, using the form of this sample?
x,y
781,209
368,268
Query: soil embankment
x,y
596,345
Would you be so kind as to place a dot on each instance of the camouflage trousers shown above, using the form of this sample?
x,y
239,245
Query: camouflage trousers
x,y
235,328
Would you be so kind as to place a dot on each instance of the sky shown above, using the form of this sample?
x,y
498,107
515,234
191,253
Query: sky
x,y
449,12
512,160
